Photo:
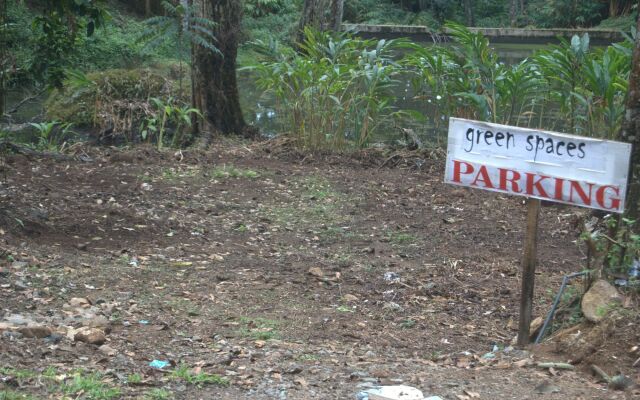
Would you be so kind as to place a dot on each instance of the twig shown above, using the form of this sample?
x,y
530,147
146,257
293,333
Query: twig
x,y
603,375
613,241
555,365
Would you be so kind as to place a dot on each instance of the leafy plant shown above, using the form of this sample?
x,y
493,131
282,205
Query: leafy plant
x,y
168,112
90,387
184,373
51,134
336,92
613,248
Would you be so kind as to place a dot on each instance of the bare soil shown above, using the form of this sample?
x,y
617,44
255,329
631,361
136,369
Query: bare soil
x,y
287,276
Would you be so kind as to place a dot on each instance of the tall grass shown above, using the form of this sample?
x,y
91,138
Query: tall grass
x,y
338,91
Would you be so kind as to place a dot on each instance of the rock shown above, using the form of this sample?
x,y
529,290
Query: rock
x,y
107,351
90,335
620,382
349,298
99,322
398,392
599,300
79,302
35,331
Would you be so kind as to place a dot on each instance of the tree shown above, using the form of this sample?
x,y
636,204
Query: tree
x,y
314,14
468,13
630,131
213,74
180,25
56,30
513,12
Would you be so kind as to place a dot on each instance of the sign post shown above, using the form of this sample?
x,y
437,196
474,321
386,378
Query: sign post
x,y
540,165
528,271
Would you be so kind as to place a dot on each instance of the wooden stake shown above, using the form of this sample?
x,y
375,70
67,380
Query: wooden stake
x,y
528,271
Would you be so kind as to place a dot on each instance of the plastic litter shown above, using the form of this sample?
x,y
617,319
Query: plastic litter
x,y
159,364
397,392
143,322
391,276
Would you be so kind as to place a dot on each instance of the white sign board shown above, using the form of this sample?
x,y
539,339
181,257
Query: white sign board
x,y
545,165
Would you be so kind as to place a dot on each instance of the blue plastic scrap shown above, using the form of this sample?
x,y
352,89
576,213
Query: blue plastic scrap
x,y
158,364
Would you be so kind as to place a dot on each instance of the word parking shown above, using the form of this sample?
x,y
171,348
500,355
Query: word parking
x,y
545,165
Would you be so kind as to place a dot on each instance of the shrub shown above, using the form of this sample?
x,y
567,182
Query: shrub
x,y
114,101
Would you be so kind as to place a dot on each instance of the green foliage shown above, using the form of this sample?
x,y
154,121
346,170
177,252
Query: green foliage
x,y
567,13
55,31
181,26
336,92
13,395
615,246
90,387
185,374
158,394
260,8
51,135
168,113
229,171
260,23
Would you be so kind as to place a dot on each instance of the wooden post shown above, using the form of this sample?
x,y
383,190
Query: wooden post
x,y
528,271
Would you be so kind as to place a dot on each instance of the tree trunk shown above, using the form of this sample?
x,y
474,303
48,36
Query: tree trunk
x,y
468,12
314,14
213,76
147,8
337,10
513,12
630,131
523,8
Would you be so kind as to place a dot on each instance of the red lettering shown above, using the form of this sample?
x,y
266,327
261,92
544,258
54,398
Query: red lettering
x,y
482,173
532,183
558,189
615,201
457,170
504,179
575,187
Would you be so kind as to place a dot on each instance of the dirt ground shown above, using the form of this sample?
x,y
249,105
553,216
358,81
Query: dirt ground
x,y
266,275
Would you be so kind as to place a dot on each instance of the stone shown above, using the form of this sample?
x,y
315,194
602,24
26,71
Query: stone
x,y
99,322
316,271
90,335
35,331
599,300
107,351
397,392
350,298
79,302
